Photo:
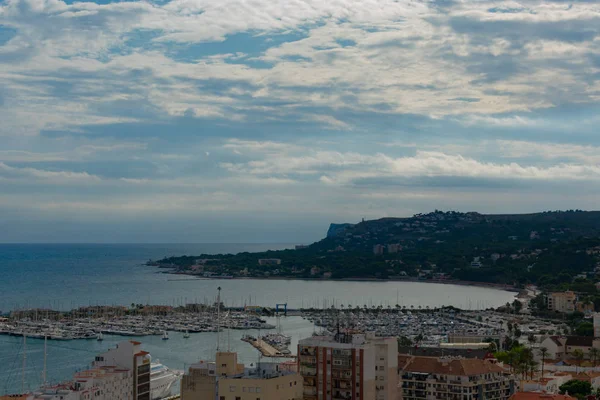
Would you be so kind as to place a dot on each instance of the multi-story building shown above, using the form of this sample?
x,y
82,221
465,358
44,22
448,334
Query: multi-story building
x,y
394,248
226,379
353,366
378,249
99,383
129,355
563,302
453,379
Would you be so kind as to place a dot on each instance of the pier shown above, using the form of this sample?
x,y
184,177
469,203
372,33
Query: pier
x,y
265,348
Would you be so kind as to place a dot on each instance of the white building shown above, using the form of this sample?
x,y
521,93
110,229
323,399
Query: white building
x,y
129,355
99,383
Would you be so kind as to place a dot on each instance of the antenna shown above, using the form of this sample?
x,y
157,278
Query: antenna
x,y
218,318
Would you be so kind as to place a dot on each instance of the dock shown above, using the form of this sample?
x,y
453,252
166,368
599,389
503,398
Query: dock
x,y
266,349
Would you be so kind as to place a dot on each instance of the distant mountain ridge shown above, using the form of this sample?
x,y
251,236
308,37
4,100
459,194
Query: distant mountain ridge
x,y
546,248
336,229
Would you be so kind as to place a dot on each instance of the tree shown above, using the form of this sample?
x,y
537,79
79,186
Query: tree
x,y
404,341
594,355
578,356
544,353
585,329
576,388
517,305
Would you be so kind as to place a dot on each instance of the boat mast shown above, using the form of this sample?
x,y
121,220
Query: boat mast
x,y
45,359
218,317
24,363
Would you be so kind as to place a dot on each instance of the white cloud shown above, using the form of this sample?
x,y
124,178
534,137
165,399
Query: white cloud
x,y
346,168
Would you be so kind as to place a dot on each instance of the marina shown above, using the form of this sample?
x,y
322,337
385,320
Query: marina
x,y
93,323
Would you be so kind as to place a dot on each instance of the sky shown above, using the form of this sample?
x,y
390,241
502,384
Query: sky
x,y
264,121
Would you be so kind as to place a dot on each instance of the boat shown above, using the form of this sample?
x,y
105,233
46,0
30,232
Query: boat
x,y
100,337
161,380
186,334
165,336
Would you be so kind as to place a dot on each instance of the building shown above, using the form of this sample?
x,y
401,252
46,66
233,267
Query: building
x,y
597,325
269,261
540,396
443,351
562,347
129,355
378,249
563,302
226,379
100,383
352,366
476,263
584,307
452,378
394,248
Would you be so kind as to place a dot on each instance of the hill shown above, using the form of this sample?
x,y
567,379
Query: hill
x,y
547,248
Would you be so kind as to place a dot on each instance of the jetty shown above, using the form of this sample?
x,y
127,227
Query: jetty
x,y
265,348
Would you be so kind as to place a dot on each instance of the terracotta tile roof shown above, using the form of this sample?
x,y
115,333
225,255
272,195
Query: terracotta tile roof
x,y
539,396
403,359
456,367
135,343
141,353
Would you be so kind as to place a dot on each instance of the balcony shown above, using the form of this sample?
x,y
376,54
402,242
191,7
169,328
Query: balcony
x,y
310,382
307,351
308,371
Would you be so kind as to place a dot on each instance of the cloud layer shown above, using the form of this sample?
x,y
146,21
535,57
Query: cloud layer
x,y
301,109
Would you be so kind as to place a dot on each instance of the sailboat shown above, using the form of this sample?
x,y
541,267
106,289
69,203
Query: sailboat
x,y
100,337
165,336
186,334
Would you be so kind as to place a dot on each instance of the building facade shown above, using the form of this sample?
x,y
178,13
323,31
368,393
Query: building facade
x,y
351,366
226,379
99,383
563,302
453,379
129,355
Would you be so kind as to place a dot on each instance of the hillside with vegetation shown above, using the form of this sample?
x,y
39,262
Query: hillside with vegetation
x,y
548,248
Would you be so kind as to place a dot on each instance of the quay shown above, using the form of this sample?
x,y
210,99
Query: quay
x,y
265,348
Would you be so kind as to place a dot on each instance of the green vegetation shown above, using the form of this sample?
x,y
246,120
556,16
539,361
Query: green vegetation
x,y
579,389
550,249
521,360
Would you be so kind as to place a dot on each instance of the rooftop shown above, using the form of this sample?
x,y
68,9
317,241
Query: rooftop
x,y
449,366
539,396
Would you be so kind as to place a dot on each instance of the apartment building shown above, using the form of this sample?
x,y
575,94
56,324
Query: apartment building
x,y
100,383
563,302
352,366
226,379
129,355
449,378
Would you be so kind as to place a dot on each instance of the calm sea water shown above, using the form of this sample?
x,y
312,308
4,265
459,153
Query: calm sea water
x,y
67,276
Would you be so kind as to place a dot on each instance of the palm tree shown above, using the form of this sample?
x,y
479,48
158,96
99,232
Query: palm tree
x,y
578,356
594,354
544,353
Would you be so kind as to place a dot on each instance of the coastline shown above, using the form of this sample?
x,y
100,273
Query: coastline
x,y
487,285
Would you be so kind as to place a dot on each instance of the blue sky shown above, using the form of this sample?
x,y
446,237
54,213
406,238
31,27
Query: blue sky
x,y
264,121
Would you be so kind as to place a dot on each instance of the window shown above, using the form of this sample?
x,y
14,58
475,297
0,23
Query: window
x,y
222,398
232,388
258,390
238,398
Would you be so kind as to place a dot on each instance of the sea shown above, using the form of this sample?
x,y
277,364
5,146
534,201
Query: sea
x,y
66,276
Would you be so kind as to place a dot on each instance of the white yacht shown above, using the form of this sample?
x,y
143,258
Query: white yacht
x,y
161,380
